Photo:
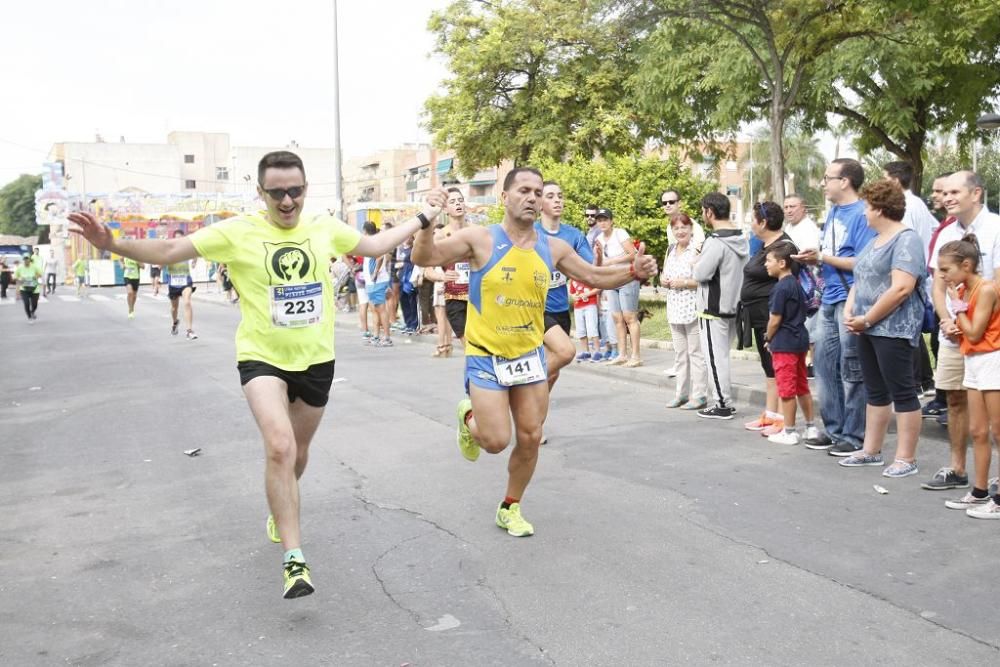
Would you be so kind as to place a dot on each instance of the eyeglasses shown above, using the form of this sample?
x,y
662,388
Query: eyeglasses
x,y
831,178
590,215
278,194
669,202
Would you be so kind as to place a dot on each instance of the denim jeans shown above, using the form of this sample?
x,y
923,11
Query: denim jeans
x,y
838,371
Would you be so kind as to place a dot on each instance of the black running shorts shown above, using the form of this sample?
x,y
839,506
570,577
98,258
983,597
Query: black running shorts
x,y
311,385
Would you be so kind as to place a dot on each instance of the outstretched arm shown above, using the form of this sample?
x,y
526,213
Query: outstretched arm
x,y
386,240
603,277
428,251
150,251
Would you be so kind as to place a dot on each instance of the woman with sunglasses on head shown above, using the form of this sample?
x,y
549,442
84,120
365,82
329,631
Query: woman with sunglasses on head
x,y
753,314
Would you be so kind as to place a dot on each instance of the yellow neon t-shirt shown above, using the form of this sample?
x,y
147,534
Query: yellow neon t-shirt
x,y
283,279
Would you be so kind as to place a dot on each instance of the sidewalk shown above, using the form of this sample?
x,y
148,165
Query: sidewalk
x,y
657,357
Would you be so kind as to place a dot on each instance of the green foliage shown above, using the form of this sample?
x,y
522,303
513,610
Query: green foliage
x,y
631,188
540,77
938,73
17,206
946,156
803,159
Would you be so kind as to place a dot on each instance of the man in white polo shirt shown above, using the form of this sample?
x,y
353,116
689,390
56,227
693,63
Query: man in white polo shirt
x,y
962,195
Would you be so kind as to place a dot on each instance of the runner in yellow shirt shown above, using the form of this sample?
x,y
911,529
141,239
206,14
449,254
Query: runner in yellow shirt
x,y
278,263
505,373
130,271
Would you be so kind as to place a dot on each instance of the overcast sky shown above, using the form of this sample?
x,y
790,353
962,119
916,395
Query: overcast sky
x,y
261,71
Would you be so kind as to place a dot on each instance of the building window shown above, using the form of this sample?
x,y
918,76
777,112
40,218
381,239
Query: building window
x,y
222,173
188,159
189,185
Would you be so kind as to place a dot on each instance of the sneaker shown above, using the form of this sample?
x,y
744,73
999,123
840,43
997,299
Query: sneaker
x,y
946,478
843,449
901,468
272,530
610,356
989,510
677,402
993,485
583,356
933,409
366,334
696,404
386,342
191,335
297,581
617,360
816,439
717,412
174,329
784,438
596,357
131,315
942,419
466,443
632,363
670,373
859,458
965,502
511,520
777,426
759,424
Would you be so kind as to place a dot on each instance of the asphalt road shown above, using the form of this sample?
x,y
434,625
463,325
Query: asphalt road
x,y
661,539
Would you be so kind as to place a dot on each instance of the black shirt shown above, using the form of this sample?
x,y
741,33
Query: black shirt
x,y
756,283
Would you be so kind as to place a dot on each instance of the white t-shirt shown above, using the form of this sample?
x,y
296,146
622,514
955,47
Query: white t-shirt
x,y
919,218
805,234
614,246
986,227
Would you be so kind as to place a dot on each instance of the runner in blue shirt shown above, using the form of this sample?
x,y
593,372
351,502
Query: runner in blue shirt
x,y
559,347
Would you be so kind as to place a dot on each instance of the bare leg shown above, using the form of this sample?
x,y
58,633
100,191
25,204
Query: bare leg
x,y
529,405
268,399
979,426
631,322
907,432
876,424
490,422
958,429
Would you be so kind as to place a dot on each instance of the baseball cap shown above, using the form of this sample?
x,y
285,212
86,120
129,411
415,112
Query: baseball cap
x,y
604,213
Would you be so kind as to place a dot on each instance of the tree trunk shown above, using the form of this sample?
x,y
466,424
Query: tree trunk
x,y
915,149
777,149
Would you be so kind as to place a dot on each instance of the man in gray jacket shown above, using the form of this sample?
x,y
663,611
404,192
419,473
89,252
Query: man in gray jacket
x,y
719,272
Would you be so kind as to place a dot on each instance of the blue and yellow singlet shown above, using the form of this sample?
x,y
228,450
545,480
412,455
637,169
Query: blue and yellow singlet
x,y
506,316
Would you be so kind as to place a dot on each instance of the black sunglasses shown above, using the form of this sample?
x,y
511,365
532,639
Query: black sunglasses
x,y
278,194
669,201
590,215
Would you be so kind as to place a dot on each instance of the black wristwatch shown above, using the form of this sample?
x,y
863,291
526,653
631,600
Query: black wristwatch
x,y
424,222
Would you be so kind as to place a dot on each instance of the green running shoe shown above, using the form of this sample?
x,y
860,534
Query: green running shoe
x,y
272,530
297,582
466,443
511,520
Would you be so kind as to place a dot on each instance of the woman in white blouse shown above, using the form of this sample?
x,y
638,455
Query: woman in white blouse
x,y
682,315
614,246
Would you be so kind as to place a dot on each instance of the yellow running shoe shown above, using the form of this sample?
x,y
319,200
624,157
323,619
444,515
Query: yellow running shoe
x,y
512,521
272,530
297,582
466,443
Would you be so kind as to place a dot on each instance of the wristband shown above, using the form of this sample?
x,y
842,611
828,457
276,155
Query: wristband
x,y
424,222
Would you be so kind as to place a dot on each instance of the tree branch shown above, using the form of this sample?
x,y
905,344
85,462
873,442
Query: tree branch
x,y
865,122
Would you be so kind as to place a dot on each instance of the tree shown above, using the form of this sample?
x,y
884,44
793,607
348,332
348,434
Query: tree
x,y
804,162
17,206
938,72
630,186
530,78
714,64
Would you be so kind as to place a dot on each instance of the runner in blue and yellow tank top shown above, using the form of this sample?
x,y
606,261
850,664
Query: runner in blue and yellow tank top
x,y
505,375
278,261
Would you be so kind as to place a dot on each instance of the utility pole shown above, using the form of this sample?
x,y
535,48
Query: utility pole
x,y
338,183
